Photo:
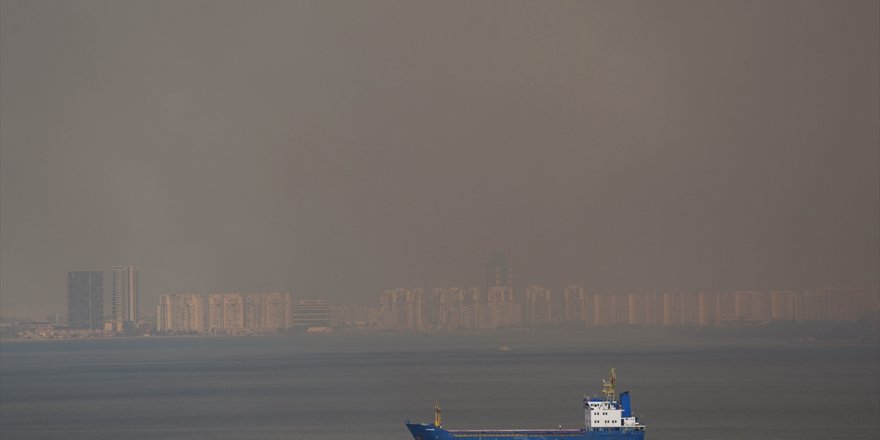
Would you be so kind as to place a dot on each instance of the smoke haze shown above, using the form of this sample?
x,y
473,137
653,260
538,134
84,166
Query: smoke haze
x,y
337,149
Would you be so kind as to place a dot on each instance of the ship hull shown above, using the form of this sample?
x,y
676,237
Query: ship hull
x,y
429,432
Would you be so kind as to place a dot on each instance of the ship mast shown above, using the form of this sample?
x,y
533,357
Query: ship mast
x,y
437,414
608,386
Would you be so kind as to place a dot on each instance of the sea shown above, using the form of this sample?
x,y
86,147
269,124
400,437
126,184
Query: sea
x,y
363,386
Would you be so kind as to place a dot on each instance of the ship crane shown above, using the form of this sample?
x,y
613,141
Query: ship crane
x,y
608,386
438,422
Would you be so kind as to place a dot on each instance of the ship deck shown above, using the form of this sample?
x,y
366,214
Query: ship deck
x,y
516,432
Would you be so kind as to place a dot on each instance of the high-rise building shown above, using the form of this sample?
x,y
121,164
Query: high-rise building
x,y
849,304
574,305
403,308
225,313
538,306
85,299
267,311
350,315
473,309
125,295
498,271
310,313
707,308
182,313
503,310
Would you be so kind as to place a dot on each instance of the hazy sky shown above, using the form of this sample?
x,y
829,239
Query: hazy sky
x,y
337,149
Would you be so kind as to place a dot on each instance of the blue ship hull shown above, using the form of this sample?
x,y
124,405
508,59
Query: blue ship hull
x,y
430,432
605,419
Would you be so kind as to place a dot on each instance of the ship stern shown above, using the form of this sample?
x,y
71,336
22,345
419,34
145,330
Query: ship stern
x,y
422,431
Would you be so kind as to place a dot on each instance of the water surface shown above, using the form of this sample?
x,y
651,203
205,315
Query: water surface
x,y
364,386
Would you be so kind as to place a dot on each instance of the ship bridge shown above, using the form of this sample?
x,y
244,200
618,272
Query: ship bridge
x,y
606,413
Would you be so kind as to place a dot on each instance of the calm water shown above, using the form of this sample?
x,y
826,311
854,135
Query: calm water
x,y
347,386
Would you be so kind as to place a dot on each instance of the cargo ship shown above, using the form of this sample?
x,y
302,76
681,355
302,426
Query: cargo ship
x,y
609,417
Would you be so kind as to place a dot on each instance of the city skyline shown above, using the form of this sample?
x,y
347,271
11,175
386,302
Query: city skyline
x,y
470,308
126,303
304,147
500,304
455,309
125,300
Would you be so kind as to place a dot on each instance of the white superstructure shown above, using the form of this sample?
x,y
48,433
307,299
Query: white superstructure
x,y
608,413
601,414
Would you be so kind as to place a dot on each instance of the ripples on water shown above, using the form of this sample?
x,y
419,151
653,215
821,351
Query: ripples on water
x,y
364,386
